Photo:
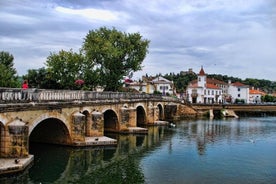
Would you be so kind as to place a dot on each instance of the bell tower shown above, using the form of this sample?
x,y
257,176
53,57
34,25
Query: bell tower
x,y
201,78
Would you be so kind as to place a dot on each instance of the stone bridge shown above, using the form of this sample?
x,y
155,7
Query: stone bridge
x,y
75,118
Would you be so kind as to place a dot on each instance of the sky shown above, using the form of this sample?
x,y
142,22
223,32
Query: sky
x,y
229,37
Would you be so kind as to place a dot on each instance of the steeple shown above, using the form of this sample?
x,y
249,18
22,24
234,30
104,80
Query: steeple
x,y
201,72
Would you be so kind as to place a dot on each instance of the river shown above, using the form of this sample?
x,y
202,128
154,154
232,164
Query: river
x,y
194,151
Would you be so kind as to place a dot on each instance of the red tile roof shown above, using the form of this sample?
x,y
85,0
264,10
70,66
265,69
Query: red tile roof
x,y
212,86
215,81
238,84
255,92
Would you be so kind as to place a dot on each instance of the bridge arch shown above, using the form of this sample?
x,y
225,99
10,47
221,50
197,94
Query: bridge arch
x,y
161,115
111,121
50,130
44,117
141,115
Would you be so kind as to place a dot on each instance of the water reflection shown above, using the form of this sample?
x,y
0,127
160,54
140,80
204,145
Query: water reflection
x,y
97,165
155,157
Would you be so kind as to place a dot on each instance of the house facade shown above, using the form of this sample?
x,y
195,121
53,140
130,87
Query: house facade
x,y
238,92
255,95
162,85
150,85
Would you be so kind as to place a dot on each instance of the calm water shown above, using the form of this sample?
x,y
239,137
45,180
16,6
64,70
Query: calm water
x,y
202,151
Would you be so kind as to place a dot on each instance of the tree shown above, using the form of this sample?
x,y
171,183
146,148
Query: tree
x,y
40,78
114,54
8,74
64,68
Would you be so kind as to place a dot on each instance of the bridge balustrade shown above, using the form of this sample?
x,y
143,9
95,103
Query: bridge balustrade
x,y
16,95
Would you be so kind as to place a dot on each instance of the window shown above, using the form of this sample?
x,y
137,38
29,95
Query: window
x,y
239,95
239,89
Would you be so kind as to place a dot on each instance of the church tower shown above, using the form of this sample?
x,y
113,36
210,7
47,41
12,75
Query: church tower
x,y
201,78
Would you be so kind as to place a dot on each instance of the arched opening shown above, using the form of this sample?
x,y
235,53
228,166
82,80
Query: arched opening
x,y
161,112
52,131
140,116
110,121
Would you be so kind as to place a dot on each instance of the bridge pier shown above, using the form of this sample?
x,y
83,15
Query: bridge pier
x,y
96,128
78,127
153,114
132,122
14,140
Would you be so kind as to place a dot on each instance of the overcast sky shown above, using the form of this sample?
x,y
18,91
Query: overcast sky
x,y
229,37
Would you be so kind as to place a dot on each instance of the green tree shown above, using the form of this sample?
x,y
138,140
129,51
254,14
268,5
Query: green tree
x,y
64,68
40,78
181,81
8,74
268,98
114,55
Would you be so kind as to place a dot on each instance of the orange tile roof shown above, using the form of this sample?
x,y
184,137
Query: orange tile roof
x,y
212,86
215,81
255,92
238,84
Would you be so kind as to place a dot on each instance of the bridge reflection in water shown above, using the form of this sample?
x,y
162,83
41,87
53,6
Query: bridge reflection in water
x,y
209,151
64,164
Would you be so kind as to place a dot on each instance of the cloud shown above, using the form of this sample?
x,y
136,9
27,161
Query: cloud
x,y
91,13
225,37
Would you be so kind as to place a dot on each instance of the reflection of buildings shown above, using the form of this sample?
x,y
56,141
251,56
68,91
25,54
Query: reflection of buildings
x,y
204,133
210,132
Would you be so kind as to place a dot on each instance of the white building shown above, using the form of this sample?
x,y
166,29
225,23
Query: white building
x,y
151,85
238,92
200,91
255,95
163,85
